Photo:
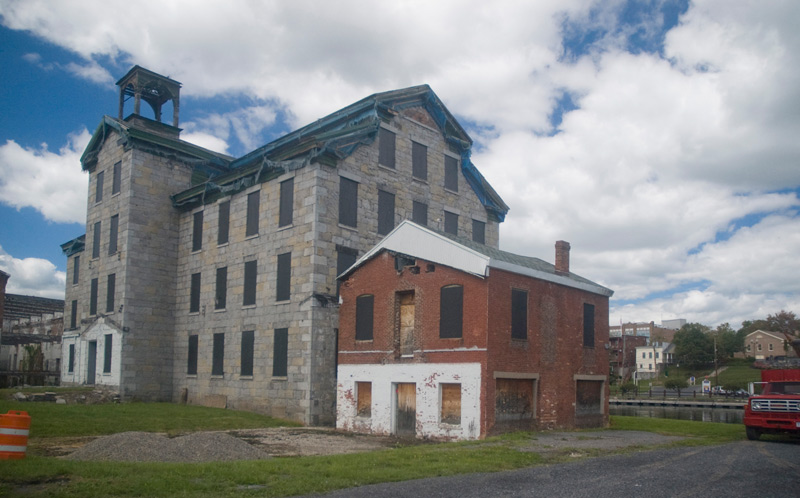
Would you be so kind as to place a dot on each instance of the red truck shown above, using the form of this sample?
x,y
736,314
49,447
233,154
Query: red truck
x,y
777,409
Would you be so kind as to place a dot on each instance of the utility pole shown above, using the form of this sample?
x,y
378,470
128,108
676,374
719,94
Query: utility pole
x,y
716,373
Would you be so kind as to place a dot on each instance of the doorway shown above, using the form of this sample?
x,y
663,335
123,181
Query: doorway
x,y
407,311
91,369
406,409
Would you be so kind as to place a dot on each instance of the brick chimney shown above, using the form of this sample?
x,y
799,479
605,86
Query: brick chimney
x,y
562,256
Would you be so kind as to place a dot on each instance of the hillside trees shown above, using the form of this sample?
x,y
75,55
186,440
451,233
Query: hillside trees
x,y
694,347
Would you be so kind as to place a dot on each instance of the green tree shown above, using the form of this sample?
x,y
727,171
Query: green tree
x,y
675,383
694,347
788,324
728,341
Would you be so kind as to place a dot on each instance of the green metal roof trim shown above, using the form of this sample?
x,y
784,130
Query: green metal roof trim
x,y
74,246
338,135
208,159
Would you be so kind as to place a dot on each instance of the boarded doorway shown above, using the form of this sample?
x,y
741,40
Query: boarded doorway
x,y
91,367
407,309
406,414
589,410
514,404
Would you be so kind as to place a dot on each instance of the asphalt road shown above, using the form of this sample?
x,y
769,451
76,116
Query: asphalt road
x,y
742,469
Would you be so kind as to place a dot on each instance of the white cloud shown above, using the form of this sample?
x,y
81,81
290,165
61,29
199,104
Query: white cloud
x,y
662,155
32,276
52,183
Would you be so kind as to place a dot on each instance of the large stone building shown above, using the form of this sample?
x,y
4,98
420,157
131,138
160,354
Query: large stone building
x,y
212,279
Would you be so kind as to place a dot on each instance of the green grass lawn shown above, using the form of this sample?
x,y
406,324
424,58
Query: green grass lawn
x,y
39,475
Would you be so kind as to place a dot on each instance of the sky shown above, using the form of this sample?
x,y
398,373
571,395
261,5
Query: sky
x,y
660,138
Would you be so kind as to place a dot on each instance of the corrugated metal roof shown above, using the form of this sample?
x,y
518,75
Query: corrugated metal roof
x,y
463,254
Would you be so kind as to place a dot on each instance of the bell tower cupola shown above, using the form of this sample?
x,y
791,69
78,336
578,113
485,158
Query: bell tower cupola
x,y
156,90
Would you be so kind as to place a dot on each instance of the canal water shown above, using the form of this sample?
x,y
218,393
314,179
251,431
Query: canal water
x,y
723,415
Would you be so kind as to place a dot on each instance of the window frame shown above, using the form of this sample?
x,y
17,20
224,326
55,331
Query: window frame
x,y
387,148
111,287
108,352
348,202
223,223
93,290
588,325
98,187
218,355
286,203
419,213
98,227
365,317
451,223
451,311
197,231
283,280
194,292
479,231
250,289
280,352
253,208
419,161
386,212
221,289
193,350
519,314
451,173
247,353
116,179
113,235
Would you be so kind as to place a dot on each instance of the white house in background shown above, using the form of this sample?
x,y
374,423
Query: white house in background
x,y
650,360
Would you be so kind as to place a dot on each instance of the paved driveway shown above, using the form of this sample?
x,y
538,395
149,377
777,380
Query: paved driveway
x,y
742,469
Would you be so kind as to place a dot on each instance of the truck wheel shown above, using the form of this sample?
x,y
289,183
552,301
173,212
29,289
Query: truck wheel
x,y
753,434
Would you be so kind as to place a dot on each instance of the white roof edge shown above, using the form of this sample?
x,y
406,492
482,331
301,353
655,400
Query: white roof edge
x,y
549,277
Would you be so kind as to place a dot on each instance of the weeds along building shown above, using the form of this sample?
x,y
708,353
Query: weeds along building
x,y
212,280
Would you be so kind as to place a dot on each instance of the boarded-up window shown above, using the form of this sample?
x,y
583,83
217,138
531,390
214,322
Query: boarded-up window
x,y
513,400
197,231
250,279
348,202
98,191
451,311
71,364
116,181
111,285
93,298
420,213
419,161
73,319
76,268
113,234
451,404
519,314
406,325
588,325
253,203
450,223
107,353
218,355
589,397
96,240
248,341
194,294
386,154
364,399
284,280
287,203
280,353
220,298
385,212
223,228
451,173
191,361
345,258
364,317
479,231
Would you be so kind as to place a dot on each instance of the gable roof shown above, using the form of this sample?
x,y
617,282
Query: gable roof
x,y
335,137
774,335
413,240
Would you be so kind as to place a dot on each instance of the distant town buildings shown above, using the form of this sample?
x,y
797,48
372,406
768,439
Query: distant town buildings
x,y
764,345
652,359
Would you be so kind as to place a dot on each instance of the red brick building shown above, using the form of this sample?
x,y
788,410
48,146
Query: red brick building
x,y
443,337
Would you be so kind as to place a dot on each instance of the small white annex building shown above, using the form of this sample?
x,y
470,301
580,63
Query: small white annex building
x,y
650,360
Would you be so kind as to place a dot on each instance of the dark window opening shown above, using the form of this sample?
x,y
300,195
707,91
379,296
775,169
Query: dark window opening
x,y
96,241
479,231
71,364
73,319
76,267
588,325
110,291
221,297
280,353
386,153
284,280
194,294
519,314
451,173
253,203
450,223
451,311
364,317
286,203
113,234
191,362
223,228
345,258
107,354
248,341
93,298
116,180
419,161
348,202
98,191
197,231
250,279
419,214
385,212
218,355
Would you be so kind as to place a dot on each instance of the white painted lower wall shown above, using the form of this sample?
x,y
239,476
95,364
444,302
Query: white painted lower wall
x,y
79,375
428,377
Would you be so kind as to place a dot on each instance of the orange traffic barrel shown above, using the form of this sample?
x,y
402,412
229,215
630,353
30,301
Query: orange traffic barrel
x,y
14,427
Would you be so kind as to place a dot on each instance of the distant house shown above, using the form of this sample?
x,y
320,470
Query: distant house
x,y
442,337
763,345
651,359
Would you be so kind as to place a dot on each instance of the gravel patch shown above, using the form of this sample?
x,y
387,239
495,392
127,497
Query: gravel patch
x,y
600,440
152,447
